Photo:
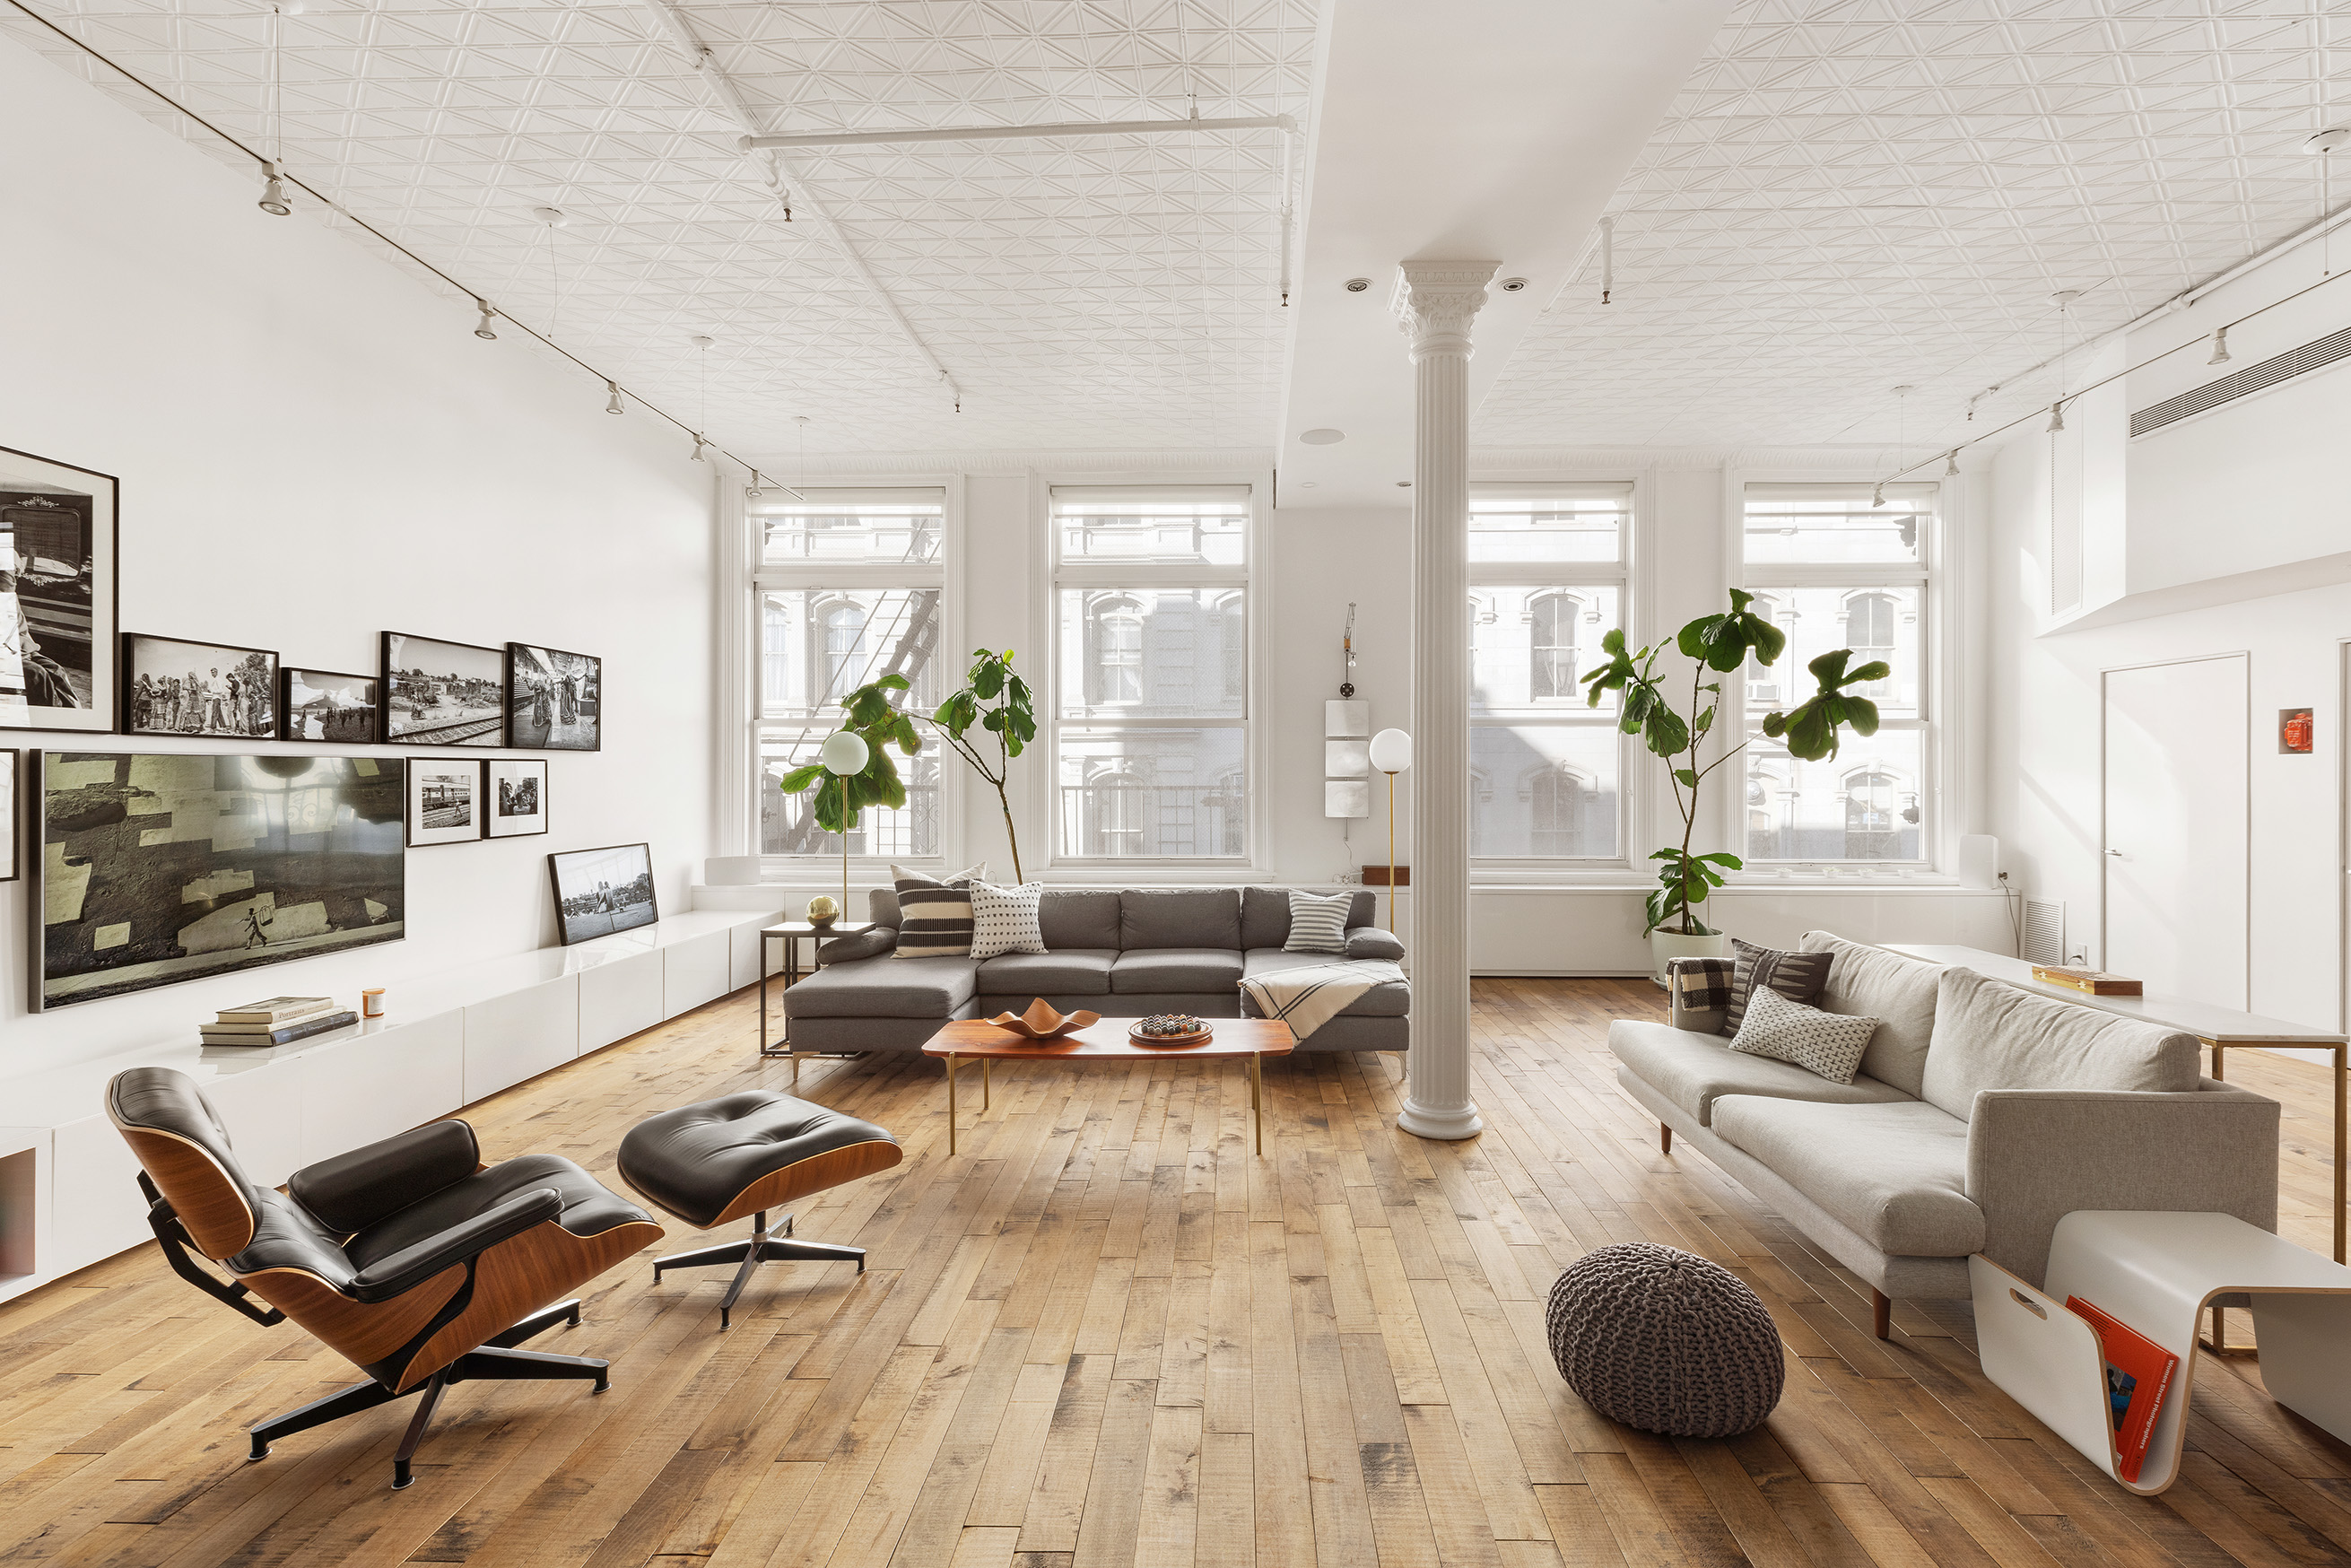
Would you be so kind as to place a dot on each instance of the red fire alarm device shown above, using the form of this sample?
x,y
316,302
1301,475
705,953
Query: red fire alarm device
x,y
2295,731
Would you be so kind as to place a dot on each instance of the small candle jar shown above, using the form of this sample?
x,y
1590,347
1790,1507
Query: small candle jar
x,y
372,1002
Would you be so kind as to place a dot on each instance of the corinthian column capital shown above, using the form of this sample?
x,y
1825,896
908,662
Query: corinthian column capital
x,y
1434,301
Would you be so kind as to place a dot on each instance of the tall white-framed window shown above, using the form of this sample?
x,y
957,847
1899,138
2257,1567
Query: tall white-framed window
x,y
1150,708
1834,571
1549,570
847,586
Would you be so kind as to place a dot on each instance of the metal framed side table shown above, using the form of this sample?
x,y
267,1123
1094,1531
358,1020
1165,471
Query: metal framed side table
x,y
791,933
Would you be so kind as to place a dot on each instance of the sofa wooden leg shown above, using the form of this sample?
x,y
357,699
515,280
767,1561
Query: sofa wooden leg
x,y
1665,1139
1881,1313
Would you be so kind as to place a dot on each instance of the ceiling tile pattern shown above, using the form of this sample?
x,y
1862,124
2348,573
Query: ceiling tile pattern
x,y
1101,291
1852,195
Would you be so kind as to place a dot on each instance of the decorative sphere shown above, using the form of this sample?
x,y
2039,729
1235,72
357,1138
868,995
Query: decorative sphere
x,y
844,753
1665,1341
1391,751
823,910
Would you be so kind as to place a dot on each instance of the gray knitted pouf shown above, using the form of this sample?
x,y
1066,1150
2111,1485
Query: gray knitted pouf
x,y
1665,1341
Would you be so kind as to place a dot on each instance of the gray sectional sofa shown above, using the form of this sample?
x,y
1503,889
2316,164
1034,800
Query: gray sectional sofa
x,y
1121,952
1982,1115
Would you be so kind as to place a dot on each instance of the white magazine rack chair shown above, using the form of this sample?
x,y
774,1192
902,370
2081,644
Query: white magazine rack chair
x,y
2158,1272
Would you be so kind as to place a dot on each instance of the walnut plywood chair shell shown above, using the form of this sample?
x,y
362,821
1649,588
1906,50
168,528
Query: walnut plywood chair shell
x,y
409,1258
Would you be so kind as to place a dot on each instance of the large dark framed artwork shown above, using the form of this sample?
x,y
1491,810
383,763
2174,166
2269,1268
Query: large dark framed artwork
x,y
514,805
173,686
323,704
442,693
444,800
57,610
599,891
554,700
152,869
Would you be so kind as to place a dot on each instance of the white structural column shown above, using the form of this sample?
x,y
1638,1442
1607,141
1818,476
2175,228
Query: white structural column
x,y
1437,300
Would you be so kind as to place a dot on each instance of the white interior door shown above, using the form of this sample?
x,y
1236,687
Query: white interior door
x,y
2177,831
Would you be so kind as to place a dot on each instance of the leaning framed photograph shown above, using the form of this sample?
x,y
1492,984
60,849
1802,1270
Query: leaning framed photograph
x,y
148,869
173,686
442,693
514,806
10,836
322,704
554,700
444,800
599,891
58,611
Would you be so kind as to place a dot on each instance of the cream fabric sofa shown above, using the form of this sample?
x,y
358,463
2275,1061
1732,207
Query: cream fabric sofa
x,y
1982,1115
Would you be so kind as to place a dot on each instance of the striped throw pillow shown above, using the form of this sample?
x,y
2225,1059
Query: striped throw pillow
x,y
1795,976
934,917
1318,925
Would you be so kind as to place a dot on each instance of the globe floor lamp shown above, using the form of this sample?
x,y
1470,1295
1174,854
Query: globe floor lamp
x,y
1392,754
844,754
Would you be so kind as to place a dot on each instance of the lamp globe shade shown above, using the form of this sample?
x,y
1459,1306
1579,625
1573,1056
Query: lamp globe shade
x,y
844,753
1392,751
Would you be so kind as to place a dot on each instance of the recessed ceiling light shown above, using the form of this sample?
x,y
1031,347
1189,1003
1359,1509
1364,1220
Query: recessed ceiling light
x,y
1512,285
1323,437
1306,484
1357,285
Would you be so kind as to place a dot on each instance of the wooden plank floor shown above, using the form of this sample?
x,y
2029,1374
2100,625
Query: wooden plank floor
x,y
1106,1334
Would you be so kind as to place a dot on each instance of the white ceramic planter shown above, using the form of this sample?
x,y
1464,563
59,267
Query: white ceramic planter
x,y
1665,945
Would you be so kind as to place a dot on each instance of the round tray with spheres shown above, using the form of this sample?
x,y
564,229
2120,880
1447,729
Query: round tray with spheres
x,y
1171,1041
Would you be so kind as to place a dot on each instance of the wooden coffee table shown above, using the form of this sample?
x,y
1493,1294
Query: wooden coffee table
x,y
1256,1038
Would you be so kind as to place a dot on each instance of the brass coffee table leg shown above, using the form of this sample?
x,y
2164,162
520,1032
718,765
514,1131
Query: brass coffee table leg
x,y
986,1081
951,1105
1256,1097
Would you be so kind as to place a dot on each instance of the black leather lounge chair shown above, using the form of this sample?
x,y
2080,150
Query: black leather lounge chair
x,y
408,1257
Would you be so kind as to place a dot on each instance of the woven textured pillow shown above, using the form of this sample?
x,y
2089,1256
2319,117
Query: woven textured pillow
x,y
1004,919
1798,976
935,916
1826,1044
1318,925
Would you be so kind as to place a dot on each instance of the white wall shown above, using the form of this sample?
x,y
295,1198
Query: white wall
x,y
2225,509
314,447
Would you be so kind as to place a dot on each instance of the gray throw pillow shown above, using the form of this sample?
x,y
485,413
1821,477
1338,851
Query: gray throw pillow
x,y
1828,1045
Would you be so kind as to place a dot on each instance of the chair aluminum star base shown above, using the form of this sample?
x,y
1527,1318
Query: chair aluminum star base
x,y
495,1358
758,1247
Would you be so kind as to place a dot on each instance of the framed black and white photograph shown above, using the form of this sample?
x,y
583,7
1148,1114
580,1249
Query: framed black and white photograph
x,y
599,891
442,693
323,704
514,805
180,866
174,687
444,800
57,576
554,700
11,788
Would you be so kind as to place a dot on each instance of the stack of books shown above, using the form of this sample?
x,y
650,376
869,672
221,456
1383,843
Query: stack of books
x,y
281,1020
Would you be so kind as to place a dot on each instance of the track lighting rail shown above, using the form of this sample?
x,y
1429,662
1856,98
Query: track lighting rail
x,y
1281,122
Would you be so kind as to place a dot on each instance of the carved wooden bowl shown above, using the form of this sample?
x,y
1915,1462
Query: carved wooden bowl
x,y
1041,1022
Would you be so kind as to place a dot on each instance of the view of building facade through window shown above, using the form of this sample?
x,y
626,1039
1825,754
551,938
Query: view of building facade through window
x,y
1834,571
1548,567
849,588
1150,703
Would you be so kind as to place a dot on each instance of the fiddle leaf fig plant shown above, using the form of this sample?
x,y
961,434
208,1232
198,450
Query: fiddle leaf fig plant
x,y
996,700
1718,644
878,721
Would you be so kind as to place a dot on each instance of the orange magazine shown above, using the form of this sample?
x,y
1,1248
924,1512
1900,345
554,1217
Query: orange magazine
x,y
2138,1374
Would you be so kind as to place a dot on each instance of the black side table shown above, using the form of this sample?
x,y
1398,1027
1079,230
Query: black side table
x,y
791,933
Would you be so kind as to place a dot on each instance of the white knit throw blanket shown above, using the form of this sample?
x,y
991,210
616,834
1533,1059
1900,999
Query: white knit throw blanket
x,y
1312,995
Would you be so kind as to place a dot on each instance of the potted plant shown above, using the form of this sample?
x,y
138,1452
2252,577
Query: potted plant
x,y
993,698
1717,644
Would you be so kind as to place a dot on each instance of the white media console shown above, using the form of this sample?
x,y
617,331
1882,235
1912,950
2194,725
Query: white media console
x,y
68,1189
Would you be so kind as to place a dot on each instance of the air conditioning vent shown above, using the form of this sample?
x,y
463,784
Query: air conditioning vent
x,y
2251,378
2045,931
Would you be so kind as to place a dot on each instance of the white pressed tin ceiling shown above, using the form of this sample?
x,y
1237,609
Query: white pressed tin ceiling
x,y
1848,197
1106,291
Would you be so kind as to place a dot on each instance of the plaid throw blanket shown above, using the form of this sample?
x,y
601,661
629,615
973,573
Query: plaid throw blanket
x,y
1698,993
1308,997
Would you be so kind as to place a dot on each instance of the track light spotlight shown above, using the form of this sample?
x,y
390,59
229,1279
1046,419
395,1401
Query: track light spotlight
x,y
2219,348
613,405
482,329
274,199
1951,464
1877,497
698,444
2056,417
